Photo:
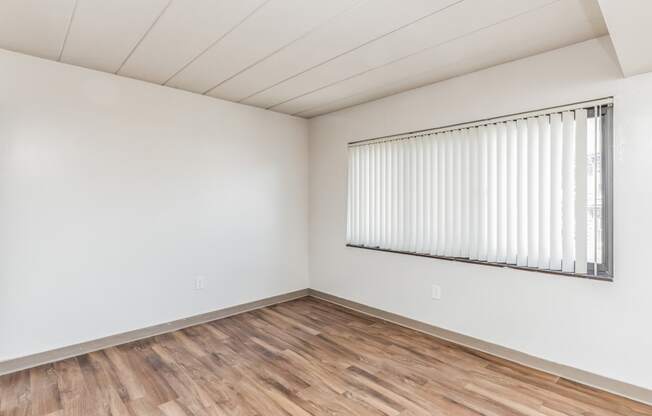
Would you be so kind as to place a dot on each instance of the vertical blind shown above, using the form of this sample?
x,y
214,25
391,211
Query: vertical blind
x,y
513,191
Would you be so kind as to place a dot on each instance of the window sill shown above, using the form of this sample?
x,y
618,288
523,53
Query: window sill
x,y
603,278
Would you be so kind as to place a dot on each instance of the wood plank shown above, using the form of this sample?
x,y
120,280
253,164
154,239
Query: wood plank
x,y
303,357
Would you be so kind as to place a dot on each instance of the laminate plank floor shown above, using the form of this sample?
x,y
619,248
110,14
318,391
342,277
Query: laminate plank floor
x,y
303,357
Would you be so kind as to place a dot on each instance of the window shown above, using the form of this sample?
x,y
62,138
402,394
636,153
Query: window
x,y
530,191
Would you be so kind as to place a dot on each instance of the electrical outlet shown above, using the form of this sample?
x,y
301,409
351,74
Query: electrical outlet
x,y
199,283
436,292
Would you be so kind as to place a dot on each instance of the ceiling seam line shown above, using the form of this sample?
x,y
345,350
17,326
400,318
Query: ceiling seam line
x,y
149,29
353,49
308,110
357,3
65,37
299,114
411,55
215,42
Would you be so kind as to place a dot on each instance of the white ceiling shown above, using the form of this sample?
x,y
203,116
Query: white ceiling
x,y
630,29
302,57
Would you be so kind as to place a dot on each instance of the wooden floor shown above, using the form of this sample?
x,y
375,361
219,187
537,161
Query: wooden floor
x,y
304,357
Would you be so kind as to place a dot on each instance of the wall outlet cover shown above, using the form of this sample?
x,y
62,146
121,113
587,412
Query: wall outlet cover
x,y
436,292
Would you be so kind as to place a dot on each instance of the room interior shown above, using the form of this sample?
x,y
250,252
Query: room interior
x,y
308,207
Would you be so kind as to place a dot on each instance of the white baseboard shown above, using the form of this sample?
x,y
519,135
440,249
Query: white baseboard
x,y
34,360
620,388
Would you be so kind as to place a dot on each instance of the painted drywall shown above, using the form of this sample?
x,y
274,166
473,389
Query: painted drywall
x,y
604,328
115,194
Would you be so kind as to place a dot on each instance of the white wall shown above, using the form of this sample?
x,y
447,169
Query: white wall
x,y
115,194
605,328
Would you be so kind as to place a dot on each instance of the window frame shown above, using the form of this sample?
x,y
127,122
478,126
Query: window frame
x,y
605,270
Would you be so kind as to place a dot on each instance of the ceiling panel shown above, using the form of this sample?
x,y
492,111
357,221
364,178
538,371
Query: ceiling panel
x,y
272,27
304,57
35,27
467,16
103,33
359,25
184,31
559,24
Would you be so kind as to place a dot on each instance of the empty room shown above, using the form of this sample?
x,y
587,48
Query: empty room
x,y
325,207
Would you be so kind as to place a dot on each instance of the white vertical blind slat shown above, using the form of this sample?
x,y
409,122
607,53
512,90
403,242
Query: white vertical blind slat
x,y
364,216
512,193
522,193
556,159
544,192
474,202
388,194
401,195
457,192
373,190
371,194
441,191
427,198
407,192
407,205
568,193
484,201
357,199
420,221
382,221
350,217
492,194
597,190
352,183
349,199
580,191
466,193
450,196
395,196
434,195
533,192
501,192
378,194
414,197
